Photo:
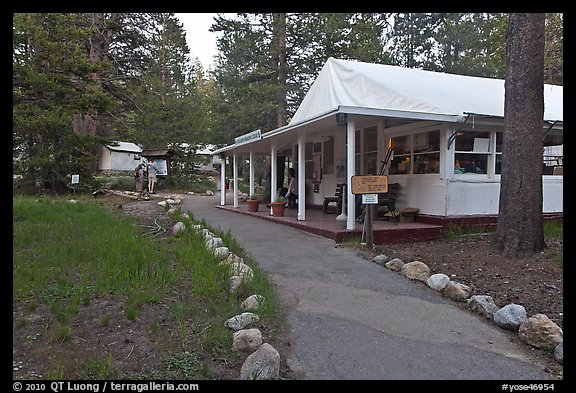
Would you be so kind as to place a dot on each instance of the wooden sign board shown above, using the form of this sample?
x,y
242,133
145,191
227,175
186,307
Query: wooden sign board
x,y
369,184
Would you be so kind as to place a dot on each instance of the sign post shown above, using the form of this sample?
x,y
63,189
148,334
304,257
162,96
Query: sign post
x,y
369,187
75,180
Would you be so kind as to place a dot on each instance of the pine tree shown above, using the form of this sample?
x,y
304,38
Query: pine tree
x,y
52,81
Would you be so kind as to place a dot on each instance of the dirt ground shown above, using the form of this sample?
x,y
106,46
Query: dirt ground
x,y
535,283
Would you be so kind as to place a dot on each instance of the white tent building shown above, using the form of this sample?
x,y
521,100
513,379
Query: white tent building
x,y
121,156
444,131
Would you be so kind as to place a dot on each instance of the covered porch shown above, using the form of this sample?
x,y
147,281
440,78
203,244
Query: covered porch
x,y
319,223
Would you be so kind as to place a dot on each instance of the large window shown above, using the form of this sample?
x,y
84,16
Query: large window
x,y
553,159
472,149
401,163
416,154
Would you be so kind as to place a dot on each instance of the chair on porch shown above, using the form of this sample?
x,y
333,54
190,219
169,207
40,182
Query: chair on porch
x,y
337,199
387,200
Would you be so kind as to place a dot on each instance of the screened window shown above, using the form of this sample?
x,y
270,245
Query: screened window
x,y
553,159
472,151
417,154
427,152
402,147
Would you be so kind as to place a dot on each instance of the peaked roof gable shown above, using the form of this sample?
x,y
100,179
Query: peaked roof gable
x,y
347,83
125,146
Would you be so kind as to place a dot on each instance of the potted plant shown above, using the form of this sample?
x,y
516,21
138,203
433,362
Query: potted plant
x,y
278,206
253,203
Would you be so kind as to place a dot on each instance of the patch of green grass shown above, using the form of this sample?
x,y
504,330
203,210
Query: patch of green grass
x,y
56,373
63,333
70,250
100,368
66,254
553,230
105,321
351,241
452,232
554,233
21,323
185,365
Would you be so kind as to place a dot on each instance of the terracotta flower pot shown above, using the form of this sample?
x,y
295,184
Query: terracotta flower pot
x,y
278,208
253,205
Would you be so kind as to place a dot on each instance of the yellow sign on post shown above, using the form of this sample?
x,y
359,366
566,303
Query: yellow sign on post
x,y
369,184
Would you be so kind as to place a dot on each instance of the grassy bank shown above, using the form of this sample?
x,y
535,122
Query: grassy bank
x,y
69,256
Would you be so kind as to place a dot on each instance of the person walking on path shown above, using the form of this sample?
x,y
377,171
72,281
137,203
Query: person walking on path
x,y
152,172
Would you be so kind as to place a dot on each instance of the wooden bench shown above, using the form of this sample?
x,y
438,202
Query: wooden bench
x,y
337,199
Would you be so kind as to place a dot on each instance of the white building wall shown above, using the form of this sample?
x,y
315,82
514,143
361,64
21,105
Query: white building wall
x,y
553,194
424,192
105,163
124,161
111,160
472,197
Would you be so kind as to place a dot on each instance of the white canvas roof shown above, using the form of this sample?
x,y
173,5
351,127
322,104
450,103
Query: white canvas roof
x,y
125,146
358,88
391,90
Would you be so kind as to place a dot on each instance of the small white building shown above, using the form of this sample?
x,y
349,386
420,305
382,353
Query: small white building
x,y
444,132
123,156
205,152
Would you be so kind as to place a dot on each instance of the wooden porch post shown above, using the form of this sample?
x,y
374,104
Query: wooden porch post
x,y
273,175
251,173
301,180
447,166
351,170
223,180
235,169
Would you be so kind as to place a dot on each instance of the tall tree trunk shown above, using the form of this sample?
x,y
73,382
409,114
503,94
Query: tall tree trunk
x,y
279,20
520,230
87,122
280,39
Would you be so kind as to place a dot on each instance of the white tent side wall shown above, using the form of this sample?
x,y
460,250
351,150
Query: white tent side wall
x,y
124,157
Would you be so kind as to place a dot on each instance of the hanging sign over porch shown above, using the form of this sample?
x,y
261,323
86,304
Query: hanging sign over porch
x,y
369,184
247,138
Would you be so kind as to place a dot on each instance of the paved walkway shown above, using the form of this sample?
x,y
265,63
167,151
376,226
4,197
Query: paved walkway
x,y
350,318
